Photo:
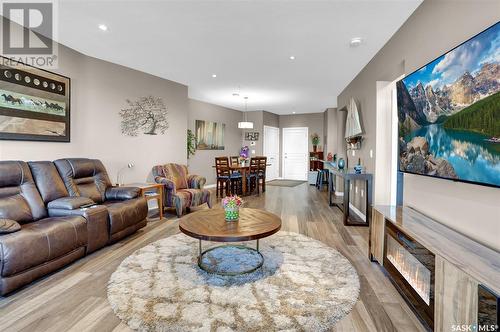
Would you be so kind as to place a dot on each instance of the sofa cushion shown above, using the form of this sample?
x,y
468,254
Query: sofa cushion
x,y
84,177
15,207
9,226
41,241
48,181
123,214
19,197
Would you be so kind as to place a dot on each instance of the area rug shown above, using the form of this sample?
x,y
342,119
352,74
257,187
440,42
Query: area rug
x,y
303,285
284,183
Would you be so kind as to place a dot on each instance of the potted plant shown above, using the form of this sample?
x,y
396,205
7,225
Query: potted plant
x,y
231,206
315,141
191,149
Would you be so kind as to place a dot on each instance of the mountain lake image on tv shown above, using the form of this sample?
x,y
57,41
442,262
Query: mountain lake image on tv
x,y
449,114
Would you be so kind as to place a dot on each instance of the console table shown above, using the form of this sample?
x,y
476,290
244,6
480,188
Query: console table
x,y
349,175
447,279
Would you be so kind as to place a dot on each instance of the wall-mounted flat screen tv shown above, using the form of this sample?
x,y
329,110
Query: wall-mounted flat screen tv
x,y
449,114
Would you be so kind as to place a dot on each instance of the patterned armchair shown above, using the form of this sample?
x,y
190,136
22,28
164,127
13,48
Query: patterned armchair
x,y
181,190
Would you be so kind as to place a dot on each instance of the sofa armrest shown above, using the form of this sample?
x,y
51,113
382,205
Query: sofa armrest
x,y
8,226
70,203
196,181
122,193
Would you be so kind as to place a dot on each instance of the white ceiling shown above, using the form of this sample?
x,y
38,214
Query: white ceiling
x,y
246,44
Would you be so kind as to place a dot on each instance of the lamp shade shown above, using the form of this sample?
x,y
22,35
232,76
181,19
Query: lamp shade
x,y
245,125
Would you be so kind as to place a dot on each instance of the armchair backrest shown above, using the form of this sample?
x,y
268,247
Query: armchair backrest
x,y
176,173
19,197
84,177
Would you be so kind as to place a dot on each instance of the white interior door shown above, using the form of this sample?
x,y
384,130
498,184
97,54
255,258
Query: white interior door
x,y
295,151
272,151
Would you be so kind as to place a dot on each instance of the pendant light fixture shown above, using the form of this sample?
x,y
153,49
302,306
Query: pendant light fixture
x,y
245,124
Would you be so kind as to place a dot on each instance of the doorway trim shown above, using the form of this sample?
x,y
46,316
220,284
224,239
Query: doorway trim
x,y
278,176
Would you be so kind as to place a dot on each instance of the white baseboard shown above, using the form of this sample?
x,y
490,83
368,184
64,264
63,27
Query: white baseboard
x,y
208,186
339,193
359,213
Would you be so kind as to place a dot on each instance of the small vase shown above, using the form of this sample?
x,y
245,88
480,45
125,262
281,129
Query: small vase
x,y
232,213
341,163
315,147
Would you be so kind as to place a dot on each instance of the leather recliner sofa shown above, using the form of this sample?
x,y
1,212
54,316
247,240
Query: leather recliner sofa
x,y
88,178
55,217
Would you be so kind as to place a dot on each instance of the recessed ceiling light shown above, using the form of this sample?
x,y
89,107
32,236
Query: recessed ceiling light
x,y
103,27
236,94
356,41
214,75
292,57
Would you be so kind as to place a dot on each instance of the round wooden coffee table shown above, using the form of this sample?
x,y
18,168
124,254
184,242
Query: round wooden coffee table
x,y
210,225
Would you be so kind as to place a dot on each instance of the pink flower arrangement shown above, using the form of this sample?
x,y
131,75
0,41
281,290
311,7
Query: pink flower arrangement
x,y
231,201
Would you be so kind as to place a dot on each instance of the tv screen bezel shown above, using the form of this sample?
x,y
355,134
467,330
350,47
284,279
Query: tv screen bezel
x,y
397,103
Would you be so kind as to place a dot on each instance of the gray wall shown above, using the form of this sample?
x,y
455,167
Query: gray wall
x,y
257,117
203,160
313,121
331,131
99,90
433,29
270,119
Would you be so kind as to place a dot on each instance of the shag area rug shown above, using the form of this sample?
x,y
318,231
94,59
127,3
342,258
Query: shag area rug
x,y
303,285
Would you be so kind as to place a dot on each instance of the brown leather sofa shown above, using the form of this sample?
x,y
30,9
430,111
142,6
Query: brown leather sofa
x,y
88,178
48,207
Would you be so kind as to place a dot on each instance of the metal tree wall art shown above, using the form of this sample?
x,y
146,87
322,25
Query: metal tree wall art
x,y
148,114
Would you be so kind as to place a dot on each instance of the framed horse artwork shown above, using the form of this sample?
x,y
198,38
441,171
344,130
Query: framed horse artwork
x,y
34,103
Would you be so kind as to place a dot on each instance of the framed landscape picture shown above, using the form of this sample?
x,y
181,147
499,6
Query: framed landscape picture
x,y
209,135
34,103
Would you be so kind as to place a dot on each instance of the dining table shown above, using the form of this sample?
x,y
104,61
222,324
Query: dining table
x,y
243,170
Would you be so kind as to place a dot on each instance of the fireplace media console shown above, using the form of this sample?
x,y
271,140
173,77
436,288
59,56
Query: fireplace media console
x,y
446,278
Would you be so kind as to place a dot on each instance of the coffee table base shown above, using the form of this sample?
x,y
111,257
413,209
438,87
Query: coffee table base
x,y
207,269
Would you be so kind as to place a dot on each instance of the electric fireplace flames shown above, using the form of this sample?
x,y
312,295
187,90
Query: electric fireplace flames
x,y
411,268
414,272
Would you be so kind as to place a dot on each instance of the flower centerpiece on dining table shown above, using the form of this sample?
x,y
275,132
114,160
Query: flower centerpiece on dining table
x,y
244,154
231,206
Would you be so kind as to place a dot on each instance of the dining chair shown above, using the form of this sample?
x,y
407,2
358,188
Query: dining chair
x,y
226,180
234,159
262,166
253,175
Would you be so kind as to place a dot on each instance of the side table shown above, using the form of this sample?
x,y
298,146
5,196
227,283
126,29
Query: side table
x,y
150,191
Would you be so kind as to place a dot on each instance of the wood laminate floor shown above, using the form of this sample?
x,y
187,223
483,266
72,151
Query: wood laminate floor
x,y
74,298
